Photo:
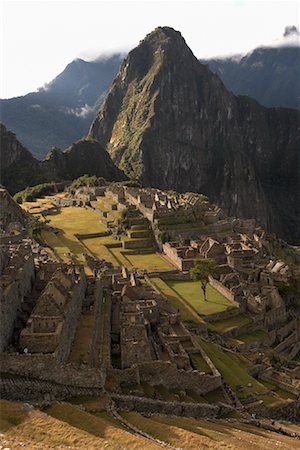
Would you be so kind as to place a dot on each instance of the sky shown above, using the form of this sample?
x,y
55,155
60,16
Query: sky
x,y
39,38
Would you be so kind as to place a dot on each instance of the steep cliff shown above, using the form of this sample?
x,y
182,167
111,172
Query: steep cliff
x,y
20,169
169,121
10,211
84,157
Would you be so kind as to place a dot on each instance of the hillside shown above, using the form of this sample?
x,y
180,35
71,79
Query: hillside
x,y
60,112
270,75
170,122
19,169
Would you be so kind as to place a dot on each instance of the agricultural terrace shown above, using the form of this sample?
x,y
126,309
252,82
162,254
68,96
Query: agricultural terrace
x,y
234,374
191,293
187,313
70,221
74,220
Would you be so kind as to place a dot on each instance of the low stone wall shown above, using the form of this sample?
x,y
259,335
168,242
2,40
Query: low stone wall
x,y
230,312
139,243
286,343
92,235
286,329
46,367
288,411
182,276
270,378
167,374
36,390
181,409
223,290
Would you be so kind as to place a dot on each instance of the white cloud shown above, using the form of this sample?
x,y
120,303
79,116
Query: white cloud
x,y
82,112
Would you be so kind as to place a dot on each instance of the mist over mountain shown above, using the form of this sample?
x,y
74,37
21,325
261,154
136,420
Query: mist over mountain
x,y
269,74
60,112
170,122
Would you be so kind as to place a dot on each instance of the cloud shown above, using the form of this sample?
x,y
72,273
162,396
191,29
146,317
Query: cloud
x,y
82,112
290,38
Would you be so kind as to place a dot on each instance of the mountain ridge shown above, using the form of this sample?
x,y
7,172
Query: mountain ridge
x,y
170,122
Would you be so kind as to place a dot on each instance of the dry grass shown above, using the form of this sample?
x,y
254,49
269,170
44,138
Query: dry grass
x,y
67,427
194,434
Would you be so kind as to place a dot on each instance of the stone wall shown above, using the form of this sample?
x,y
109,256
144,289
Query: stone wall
x,y
71,321
167,374
181,409
15,283
230,312
36,390
46,367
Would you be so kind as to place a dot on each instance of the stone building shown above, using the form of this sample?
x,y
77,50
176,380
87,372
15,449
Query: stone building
x,y
17,274
52,323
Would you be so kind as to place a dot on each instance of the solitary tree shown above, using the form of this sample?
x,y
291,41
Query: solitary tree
x,y
201,271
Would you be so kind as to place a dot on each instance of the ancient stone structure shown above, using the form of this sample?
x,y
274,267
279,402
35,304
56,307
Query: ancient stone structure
x,y
52,323
17,274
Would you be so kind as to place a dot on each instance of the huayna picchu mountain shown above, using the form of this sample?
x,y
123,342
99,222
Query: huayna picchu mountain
x,y
170,122
20,169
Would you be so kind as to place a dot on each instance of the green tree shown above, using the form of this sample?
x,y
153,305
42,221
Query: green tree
x,y
201,271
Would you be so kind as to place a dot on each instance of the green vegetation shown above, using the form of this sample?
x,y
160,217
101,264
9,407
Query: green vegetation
x,y
70,221
202,271
186,312
34,226
200,363
252,337
190,292
30,193
281,392
224,325
87,181
234,374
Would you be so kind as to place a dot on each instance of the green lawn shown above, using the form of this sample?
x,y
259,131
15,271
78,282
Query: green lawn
x,y
252,337
151,262
200,363
74,220
70,221
224,325
191,292
187,313
234,374
281,392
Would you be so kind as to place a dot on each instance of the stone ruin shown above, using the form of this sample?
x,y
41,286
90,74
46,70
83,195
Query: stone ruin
x,y
52,324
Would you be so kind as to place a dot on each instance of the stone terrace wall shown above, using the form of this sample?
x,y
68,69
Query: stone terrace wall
x,y
231,312
35,390
167,374
46,367
288,411
148,406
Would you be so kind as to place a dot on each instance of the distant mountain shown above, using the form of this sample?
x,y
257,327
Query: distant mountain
x,y
170,122
62,111
19,169
271,75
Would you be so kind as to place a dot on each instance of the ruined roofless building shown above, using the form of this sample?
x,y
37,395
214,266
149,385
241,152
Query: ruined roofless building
x,y
52,323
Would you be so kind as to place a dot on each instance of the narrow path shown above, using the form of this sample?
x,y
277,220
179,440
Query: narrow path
x,y
135,430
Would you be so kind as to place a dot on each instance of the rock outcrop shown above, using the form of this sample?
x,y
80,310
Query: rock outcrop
x,y
19,169
10,211
171,123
